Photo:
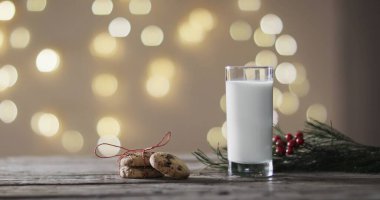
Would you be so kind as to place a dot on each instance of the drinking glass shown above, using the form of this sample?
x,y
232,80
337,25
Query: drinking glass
x,y
249,109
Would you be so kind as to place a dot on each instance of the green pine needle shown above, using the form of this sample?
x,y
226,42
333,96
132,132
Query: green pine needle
x,y
325,149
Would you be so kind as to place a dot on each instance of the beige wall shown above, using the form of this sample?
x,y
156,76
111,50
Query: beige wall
x,y
192,106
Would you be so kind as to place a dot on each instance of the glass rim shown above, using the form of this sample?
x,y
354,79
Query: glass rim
x,y
248,67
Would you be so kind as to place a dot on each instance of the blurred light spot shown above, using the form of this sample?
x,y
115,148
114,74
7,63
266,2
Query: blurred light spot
x,y
8,76
162,67
20,38
190,34
119,27
157,86
104,45
215,138
266,58
109,150
300,89
240,31
202,19
286,45
45,124
317,112
102,7
104,85
249,5
271,24
301,73
2,39
36,5
275,117
47,60
250,63
262,39
224,129
290,104
286,73
4,79
222,103
152,36
108,126
140,7
277,97
7,10
8,111
72,141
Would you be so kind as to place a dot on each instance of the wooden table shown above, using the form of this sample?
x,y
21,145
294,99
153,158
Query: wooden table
x,y
84,177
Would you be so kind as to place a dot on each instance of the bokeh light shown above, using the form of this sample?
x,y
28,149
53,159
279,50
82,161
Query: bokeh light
x,y
72,141
157,86
271,24
250,63
224,129
7,10
249,5
316,112
20,38
103,45
202,19
266,58
2,39
108,126
104,85
262,39
119,27
46,124
240,31
8,76
300,89
215,138
140,7
222,103
36,5
47,60
162,67
290,104
277,97
152,36
106,150
286,45
301,73
8,111
102,7
286,73
190,34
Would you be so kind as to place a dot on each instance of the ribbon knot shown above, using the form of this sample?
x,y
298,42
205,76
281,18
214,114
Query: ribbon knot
x,y
127,151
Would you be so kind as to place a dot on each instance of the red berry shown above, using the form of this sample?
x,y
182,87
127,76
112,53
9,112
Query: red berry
x,y
280,143
300,141
292,143
276,138
289,151
299,134
280,150
288,136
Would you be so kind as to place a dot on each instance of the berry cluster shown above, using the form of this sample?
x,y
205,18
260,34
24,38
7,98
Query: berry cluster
x,y
288,144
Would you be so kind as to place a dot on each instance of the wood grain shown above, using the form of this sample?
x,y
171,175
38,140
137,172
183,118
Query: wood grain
x,y
86,177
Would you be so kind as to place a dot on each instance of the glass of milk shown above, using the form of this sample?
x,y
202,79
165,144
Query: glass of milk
x,y
249,93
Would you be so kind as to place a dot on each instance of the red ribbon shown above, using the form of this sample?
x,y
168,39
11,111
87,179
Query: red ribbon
x,y
127,152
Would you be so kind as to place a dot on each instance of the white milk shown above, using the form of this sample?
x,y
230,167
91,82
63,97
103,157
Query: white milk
x,y
249,121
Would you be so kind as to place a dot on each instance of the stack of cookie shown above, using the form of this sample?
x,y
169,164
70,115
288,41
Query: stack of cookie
x,y
153,165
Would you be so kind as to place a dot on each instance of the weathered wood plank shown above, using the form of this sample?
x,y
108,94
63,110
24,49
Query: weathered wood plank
x,y
80,177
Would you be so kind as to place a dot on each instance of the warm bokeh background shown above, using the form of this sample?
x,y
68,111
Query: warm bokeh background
x,y
164,69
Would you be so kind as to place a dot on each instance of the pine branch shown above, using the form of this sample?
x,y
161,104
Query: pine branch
x,y
325,149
